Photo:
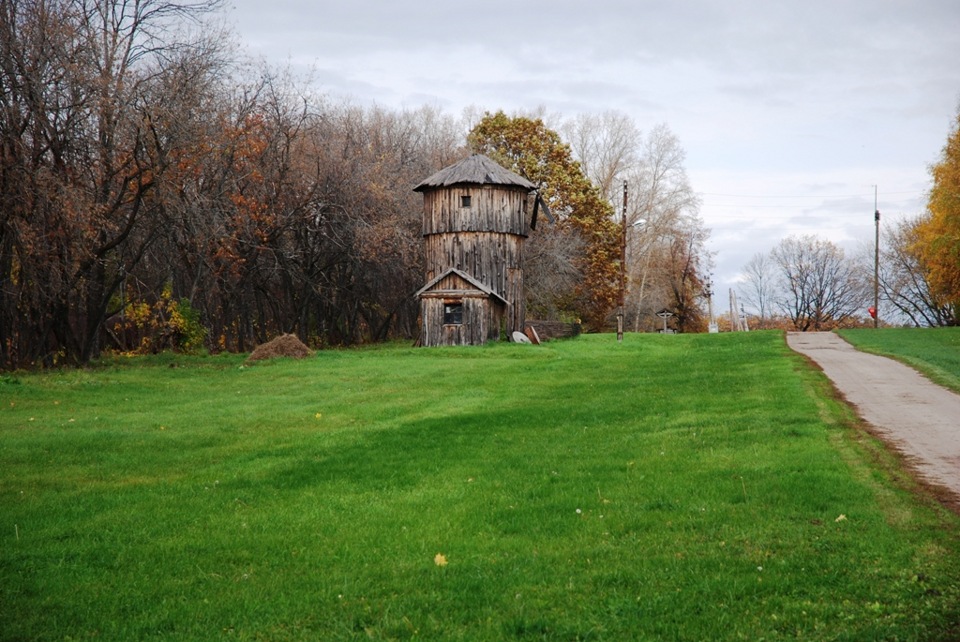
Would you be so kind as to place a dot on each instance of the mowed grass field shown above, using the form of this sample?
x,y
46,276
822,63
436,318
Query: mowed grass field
x,y
689,487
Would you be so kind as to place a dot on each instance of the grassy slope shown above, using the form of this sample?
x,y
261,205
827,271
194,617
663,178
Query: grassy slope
x,y
673,487
933,351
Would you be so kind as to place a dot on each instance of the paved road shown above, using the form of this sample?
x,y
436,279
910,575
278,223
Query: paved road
x,y
919,418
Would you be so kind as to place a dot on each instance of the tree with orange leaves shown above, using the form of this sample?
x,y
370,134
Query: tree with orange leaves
x,y
938,234
528,147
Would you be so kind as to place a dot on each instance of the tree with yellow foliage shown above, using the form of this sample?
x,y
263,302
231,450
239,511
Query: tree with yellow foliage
x,y
536,152
938,234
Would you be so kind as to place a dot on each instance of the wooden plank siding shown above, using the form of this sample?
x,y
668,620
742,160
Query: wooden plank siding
x,y
492,258
485,239
493,208
481,319
475,220
453,284
489,257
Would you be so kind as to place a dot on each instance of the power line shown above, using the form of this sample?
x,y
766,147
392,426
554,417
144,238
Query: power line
x,y
772,207
816,196
798,217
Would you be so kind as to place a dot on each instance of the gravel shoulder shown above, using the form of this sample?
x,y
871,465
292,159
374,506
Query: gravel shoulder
x,y
917,417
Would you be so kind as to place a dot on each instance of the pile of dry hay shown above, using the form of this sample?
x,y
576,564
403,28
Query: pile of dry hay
x,y
286,345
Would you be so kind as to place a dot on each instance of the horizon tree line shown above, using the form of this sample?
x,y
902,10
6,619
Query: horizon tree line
x,y
809,283
157,193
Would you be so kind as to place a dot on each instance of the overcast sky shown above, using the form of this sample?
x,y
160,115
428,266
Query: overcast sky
x,y
790,112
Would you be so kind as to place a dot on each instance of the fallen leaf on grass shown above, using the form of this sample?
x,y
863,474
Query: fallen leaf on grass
x,y
440,559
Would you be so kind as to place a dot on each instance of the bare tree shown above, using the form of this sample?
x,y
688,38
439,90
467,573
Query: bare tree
x,y
663,191
819,288
83,155
662,208
661,211
685,276
903,283
551,270
758,286
608,147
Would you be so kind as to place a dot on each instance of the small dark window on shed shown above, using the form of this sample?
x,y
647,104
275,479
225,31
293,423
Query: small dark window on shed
x,y
465,201
453,313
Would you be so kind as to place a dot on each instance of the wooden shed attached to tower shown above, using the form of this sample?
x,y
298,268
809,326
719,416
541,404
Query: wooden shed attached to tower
x,y
475,221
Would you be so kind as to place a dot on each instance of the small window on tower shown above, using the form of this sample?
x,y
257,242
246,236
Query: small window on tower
x,y
453,313
465,201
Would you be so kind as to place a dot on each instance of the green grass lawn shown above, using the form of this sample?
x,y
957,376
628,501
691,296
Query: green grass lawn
x,y
933,351
688,487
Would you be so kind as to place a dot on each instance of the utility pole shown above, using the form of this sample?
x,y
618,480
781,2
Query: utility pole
x,y
876,262
623,266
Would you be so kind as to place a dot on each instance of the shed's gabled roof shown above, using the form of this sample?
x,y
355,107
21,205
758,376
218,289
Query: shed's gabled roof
x,y
474,170
466,277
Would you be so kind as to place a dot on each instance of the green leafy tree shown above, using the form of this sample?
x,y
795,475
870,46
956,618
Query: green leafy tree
x,y
536,152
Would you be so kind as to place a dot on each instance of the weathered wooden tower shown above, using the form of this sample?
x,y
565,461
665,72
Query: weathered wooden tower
x,y
474,225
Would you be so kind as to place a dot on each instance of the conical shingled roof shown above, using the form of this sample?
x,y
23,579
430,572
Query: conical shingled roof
x,y
474,170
